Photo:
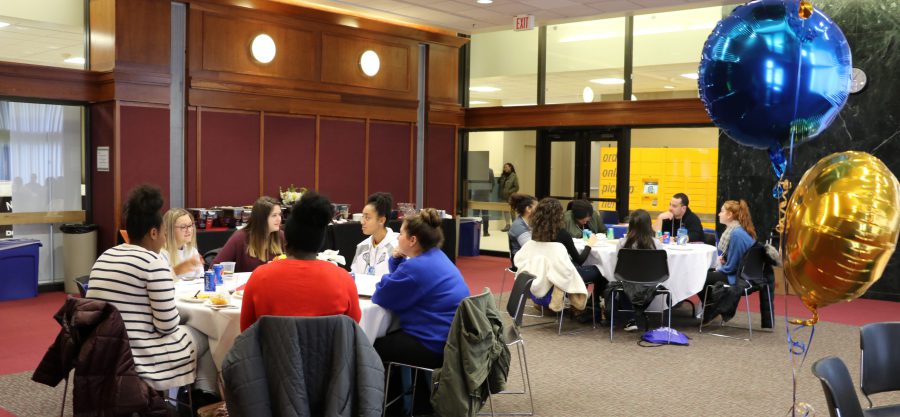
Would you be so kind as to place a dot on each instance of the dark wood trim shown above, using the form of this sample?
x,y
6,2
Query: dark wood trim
x,y
49,83
366,162
199,159
318,134
620,113
412,162
344,19
117,168
262,150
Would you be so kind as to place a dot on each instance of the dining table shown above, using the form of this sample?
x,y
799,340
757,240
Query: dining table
x,y
688,266
222,324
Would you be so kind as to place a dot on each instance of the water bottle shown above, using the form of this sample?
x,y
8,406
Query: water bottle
x,y
682,235
585,234
609,234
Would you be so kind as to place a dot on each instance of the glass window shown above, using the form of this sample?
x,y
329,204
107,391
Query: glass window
x,y
48,32
586,61
41,171
487,154
666,161
503,71
667,49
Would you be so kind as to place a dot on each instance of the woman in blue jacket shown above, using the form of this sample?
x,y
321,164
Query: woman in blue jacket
x,y
423,290
738,237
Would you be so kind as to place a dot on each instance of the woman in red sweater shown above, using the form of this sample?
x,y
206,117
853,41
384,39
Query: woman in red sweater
x,y
301,285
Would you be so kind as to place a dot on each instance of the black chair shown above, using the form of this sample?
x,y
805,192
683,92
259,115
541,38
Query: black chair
x,y
755,275
643,267
609,217
82,283
839,390
879,368
709,238
209,256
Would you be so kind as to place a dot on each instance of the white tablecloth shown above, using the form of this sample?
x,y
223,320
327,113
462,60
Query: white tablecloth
x,y
223,326
688,265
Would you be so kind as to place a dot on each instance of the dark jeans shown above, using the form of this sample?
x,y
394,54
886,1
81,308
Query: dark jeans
x,y
712,277
400,347
591,275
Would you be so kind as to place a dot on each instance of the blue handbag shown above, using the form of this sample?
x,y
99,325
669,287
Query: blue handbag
x,y
665,336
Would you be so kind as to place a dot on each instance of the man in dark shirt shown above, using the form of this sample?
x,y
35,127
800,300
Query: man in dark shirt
x,y
680,214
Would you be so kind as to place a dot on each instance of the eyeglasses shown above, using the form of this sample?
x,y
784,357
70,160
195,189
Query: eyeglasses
x,y
185,228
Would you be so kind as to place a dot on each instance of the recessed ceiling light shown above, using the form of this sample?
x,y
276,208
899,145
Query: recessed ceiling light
x,y
74,60
692,75
669,87
484,89
587,95
484,1
477,102
608,81
3,24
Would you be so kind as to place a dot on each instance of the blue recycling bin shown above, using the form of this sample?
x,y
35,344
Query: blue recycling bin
x,y
469,236
19,259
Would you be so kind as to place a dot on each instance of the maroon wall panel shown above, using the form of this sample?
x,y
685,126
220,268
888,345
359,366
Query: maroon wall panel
x,y
102,184
190,163
144,138
342,161
229,158
289,151
389,153
440,159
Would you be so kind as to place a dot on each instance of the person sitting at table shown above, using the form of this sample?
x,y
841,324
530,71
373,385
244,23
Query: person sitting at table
x,y
640,236
678,215
520,231
135,279
372,254
423,290
546,227
580,217
179,249
301,285
257,243
738,237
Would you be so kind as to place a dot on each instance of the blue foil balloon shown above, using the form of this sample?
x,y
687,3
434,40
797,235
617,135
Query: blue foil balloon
x,y
771,79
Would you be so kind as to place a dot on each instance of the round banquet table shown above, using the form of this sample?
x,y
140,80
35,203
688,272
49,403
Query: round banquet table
x,y
688,265
222,326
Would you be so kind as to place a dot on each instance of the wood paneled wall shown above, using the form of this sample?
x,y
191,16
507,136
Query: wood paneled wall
x,y
247,154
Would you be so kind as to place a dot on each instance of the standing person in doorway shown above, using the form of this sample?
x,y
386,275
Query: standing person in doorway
x,y
509,185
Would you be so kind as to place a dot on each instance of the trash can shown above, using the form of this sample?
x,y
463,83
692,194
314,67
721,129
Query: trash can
x,y
79,252
19,260
469,236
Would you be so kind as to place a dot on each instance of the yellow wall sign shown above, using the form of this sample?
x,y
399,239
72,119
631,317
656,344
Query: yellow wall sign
x,y
659,173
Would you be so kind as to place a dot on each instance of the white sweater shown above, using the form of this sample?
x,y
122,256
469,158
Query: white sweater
x,y
139,283
550,264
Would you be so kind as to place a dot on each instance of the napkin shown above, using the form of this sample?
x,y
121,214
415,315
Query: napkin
x,y
332,256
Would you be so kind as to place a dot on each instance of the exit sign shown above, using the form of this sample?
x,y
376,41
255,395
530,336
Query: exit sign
x,y
523,22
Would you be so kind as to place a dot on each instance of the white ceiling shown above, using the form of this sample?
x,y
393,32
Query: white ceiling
x,y
467,16
40,43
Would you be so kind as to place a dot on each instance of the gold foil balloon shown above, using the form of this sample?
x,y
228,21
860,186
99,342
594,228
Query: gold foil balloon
x,y
841,228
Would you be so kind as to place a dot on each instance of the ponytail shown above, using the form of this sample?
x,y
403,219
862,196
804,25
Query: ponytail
x,y
746,219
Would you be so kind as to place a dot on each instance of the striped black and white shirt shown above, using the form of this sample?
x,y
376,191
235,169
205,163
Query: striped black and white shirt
x,y
140,284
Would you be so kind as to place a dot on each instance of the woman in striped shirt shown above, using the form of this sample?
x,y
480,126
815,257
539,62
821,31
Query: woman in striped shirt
x,y
135,279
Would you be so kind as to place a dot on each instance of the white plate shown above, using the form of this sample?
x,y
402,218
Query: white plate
x,y
676,247
191,299
218,307
238,294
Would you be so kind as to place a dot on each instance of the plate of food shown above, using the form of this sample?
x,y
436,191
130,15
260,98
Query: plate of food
x,y
238,294
217,301
200,297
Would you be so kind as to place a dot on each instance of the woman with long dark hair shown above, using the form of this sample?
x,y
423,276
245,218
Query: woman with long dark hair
x,y
640,236
509,185
257,243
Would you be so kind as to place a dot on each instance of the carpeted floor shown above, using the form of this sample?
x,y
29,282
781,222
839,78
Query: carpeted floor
x,y
583,374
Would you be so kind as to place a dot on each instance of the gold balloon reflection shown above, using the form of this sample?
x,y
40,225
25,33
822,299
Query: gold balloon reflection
x,y
841,228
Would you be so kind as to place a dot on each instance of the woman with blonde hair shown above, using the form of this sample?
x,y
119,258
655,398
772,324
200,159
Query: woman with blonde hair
x,y
259,242
738,237
179,249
